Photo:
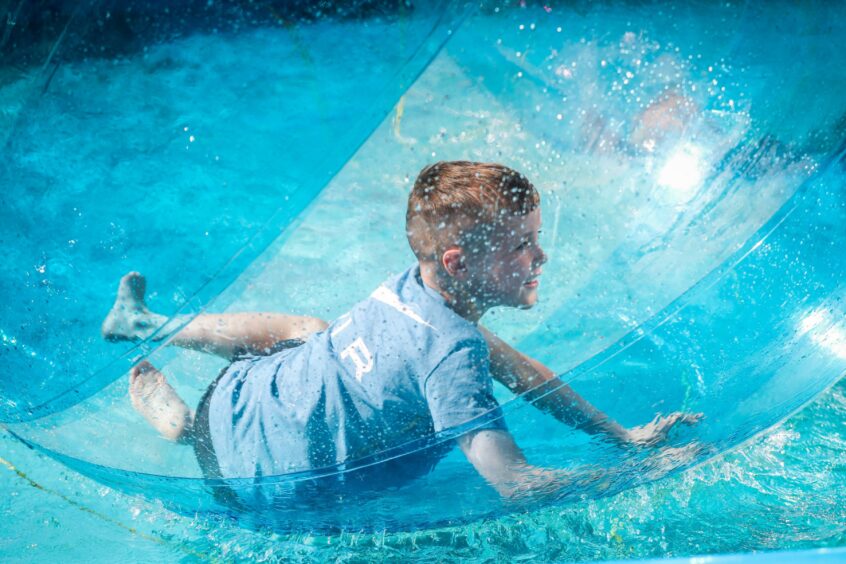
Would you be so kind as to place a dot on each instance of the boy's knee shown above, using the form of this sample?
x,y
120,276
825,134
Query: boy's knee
x,y
311,325
318,324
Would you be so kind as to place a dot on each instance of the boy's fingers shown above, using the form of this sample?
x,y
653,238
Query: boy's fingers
x,y
681,417
663,423
692,418
674,418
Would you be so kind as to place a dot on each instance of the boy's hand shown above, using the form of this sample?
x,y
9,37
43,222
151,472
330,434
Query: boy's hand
x,y
655,432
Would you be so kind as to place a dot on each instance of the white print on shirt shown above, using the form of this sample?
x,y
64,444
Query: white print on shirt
x,y
361,357
384,295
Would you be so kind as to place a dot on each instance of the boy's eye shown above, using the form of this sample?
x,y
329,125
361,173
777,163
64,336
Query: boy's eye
x,y
525,244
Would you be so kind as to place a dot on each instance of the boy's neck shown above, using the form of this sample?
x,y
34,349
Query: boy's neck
x,y
466,308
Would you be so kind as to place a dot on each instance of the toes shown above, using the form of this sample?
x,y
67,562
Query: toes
x,y
133,286
138,285
140,368
139,374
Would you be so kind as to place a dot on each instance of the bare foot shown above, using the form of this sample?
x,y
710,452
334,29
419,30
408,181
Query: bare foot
x,y
158,402
129,319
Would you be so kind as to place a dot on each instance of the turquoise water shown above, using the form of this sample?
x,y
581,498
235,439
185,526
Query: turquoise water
x,y
624,247
786,488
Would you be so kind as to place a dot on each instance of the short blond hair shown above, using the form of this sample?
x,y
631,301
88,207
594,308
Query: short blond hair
x,y
451,197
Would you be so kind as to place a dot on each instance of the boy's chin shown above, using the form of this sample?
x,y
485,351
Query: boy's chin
x,y
528,301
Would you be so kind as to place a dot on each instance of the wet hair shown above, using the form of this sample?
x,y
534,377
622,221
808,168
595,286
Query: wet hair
x,y
450,200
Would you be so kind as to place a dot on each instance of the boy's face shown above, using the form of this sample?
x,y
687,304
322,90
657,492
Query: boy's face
x,y
503,269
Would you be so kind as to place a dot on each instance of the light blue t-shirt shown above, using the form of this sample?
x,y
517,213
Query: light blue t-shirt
x,y
399,367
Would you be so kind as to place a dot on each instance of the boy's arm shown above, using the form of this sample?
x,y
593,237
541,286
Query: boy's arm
x,y
523,375
501,463
495,455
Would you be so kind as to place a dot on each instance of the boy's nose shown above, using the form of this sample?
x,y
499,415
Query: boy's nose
x,y
540,256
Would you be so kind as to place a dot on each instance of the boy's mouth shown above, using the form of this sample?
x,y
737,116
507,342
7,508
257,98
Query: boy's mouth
x,y
533,281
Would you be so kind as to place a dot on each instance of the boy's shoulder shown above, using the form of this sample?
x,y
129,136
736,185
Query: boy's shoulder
x,y
403,319
406,295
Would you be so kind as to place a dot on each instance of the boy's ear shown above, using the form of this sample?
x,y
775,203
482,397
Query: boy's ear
x,y
453,262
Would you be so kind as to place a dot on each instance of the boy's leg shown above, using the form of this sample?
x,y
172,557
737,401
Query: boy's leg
x,y
226,335
159,403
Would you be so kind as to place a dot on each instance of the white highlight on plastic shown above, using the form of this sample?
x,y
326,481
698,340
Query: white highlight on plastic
x,y
683,172
823,330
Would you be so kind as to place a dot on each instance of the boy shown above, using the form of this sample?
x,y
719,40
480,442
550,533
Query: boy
x,y
409,361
